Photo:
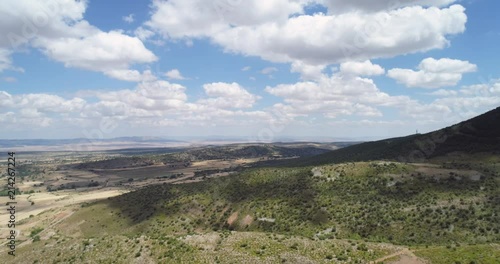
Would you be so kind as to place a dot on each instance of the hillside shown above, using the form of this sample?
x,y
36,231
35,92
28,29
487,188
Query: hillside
x,y
235,151
479,134
343,213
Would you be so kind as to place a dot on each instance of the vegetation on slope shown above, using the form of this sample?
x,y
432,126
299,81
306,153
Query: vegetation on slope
x,y
209,153
479,134
366,202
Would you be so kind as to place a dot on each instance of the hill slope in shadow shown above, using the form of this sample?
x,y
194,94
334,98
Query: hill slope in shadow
x,y
476,135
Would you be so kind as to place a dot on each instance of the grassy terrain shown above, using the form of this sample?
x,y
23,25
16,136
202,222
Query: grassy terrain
x,y
487,254
236,151
299,214
214,247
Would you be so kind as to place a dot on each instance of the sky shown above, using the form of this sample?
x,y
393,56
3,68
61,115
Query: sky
x,y
259,70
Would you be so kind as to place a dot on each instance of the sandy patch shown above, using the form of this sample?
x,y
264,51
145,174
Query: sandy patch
x,y
406,259
404,256
248,220
232,218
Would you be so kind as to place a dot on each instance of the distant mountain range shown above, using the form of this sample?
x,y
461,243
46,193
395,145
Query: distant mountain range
x,y
68,144
129,143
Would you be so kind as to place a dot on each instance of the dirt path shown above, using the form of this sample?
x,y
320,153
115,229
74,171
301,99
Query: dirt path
x,y
406,256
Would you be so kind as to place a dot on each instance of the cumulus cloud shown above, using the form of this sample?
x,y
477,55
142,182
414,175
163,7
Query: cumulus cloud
x,y
152,103
306,71
341,95
433,73
174,74
49,103
341,6
28,111
453,106
103,51
159,103
5,99
443,92
485,89
361,68
228,95
158,95
336,95
325,39
25,20
279,31
130,75
58,29
198,18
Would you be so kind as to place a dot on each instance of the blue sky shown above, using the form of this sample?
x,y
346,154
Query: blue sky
x,y
299,69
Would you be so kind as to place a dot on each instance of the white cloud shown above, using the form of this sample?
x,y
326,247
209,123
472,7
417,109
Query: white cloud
x,y
433,73
15,121
268,70
129,18
336,95
484,90
156,95
174,74
28,111
101,51
361,68
228,95
321,39
279,31
341,6
342,95
47,103
455,106
306,71
443,92
131,75
6,99
154,102
24,20
198,18
160,103
58,29
331,96
246,68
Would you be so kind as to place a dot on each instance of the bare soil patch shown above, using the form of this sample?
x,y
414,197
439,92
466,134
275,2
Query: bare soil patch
x,y
232,218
